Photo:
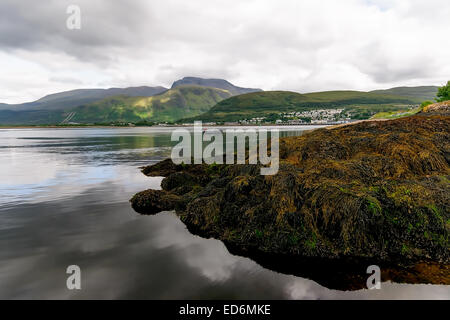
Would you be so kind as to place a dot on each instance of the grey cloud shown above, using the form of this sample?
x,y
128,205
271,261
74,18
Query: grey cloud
x,y
37,26
286,44
376,61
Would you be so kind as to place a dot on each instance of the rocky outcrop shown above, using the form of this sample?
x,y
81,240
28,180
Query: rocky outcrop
x,y
441,108
375,192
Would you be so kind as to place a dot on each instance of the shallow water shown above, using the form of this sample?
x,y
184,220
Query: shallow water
x,y
64,201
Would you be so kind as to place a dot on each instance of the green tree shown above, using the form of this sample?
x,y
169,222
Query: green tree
x,y
443,93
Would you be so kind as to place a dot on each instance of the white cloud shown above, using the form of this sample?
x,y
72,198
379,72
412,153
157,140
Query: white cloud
x,y
293,45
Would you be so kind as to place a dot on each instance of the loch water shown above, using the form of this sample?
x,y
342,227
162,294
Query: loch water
x,y
64,200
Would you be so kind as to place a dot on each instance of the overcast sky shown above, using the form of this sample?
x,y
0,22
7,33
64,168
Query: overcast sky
x,y
297,45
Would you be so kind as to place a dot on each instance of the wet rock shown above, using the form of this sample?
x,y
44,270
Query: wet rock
x,y
160,169
375,192
154,201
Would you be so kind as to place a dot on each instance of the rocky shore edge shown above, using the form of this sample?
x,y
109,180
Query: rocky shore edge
x,y
376,192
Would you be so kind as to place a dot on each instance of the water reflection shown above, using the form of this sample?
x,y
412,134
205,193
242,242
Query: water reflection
x,y
64,200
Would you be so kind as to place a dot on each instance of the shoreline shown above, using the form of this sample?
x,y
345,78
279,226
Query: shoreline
x,y
168,126
329,126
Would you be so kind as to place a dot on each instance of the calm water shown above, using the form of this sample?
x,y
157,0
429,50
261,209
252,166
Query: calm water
x,y
64,200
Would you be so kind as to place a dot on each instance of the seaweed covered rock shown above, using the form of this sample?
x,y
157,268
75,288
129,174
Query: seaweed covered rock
x,y
442,108
375,191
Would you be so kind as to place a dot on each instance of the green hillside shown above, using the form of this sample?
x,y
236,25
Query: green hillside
x,y
174,104
423,92
68,99
30,117
270,103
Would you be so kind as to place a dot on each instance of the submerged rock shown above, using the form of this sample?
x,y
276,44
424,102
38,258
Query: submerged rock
x,y
375,192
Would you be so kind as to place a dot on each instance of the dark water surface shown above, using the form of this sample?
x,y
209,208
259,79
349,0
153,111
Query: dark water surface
x,y
64,201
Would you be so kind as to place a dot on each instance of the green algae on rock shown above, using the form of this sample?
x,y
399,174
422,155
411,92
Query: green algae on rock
x,y
375,192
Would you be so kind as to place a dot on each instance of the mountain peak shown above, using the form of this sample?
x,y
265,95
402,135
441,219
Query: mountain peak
x,y
213,83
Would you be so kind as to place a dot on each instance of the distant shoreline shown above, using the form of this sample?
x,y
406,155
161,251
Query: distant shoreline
x,y
157,126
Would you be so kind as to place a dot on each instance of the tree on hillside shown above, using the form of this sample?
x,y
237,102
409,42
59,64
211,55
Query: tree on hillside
x,y
444,93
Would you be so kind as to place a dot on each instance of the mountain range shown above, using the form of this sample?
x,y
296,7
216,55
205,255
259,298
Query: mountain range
x,y
358,104
187,97
192,98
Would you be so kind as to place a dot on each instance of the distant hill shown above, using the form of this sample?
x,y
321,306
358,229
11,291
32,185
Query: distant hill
x,y
270,103
73,98
30,117
174,104
423,92
213,83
